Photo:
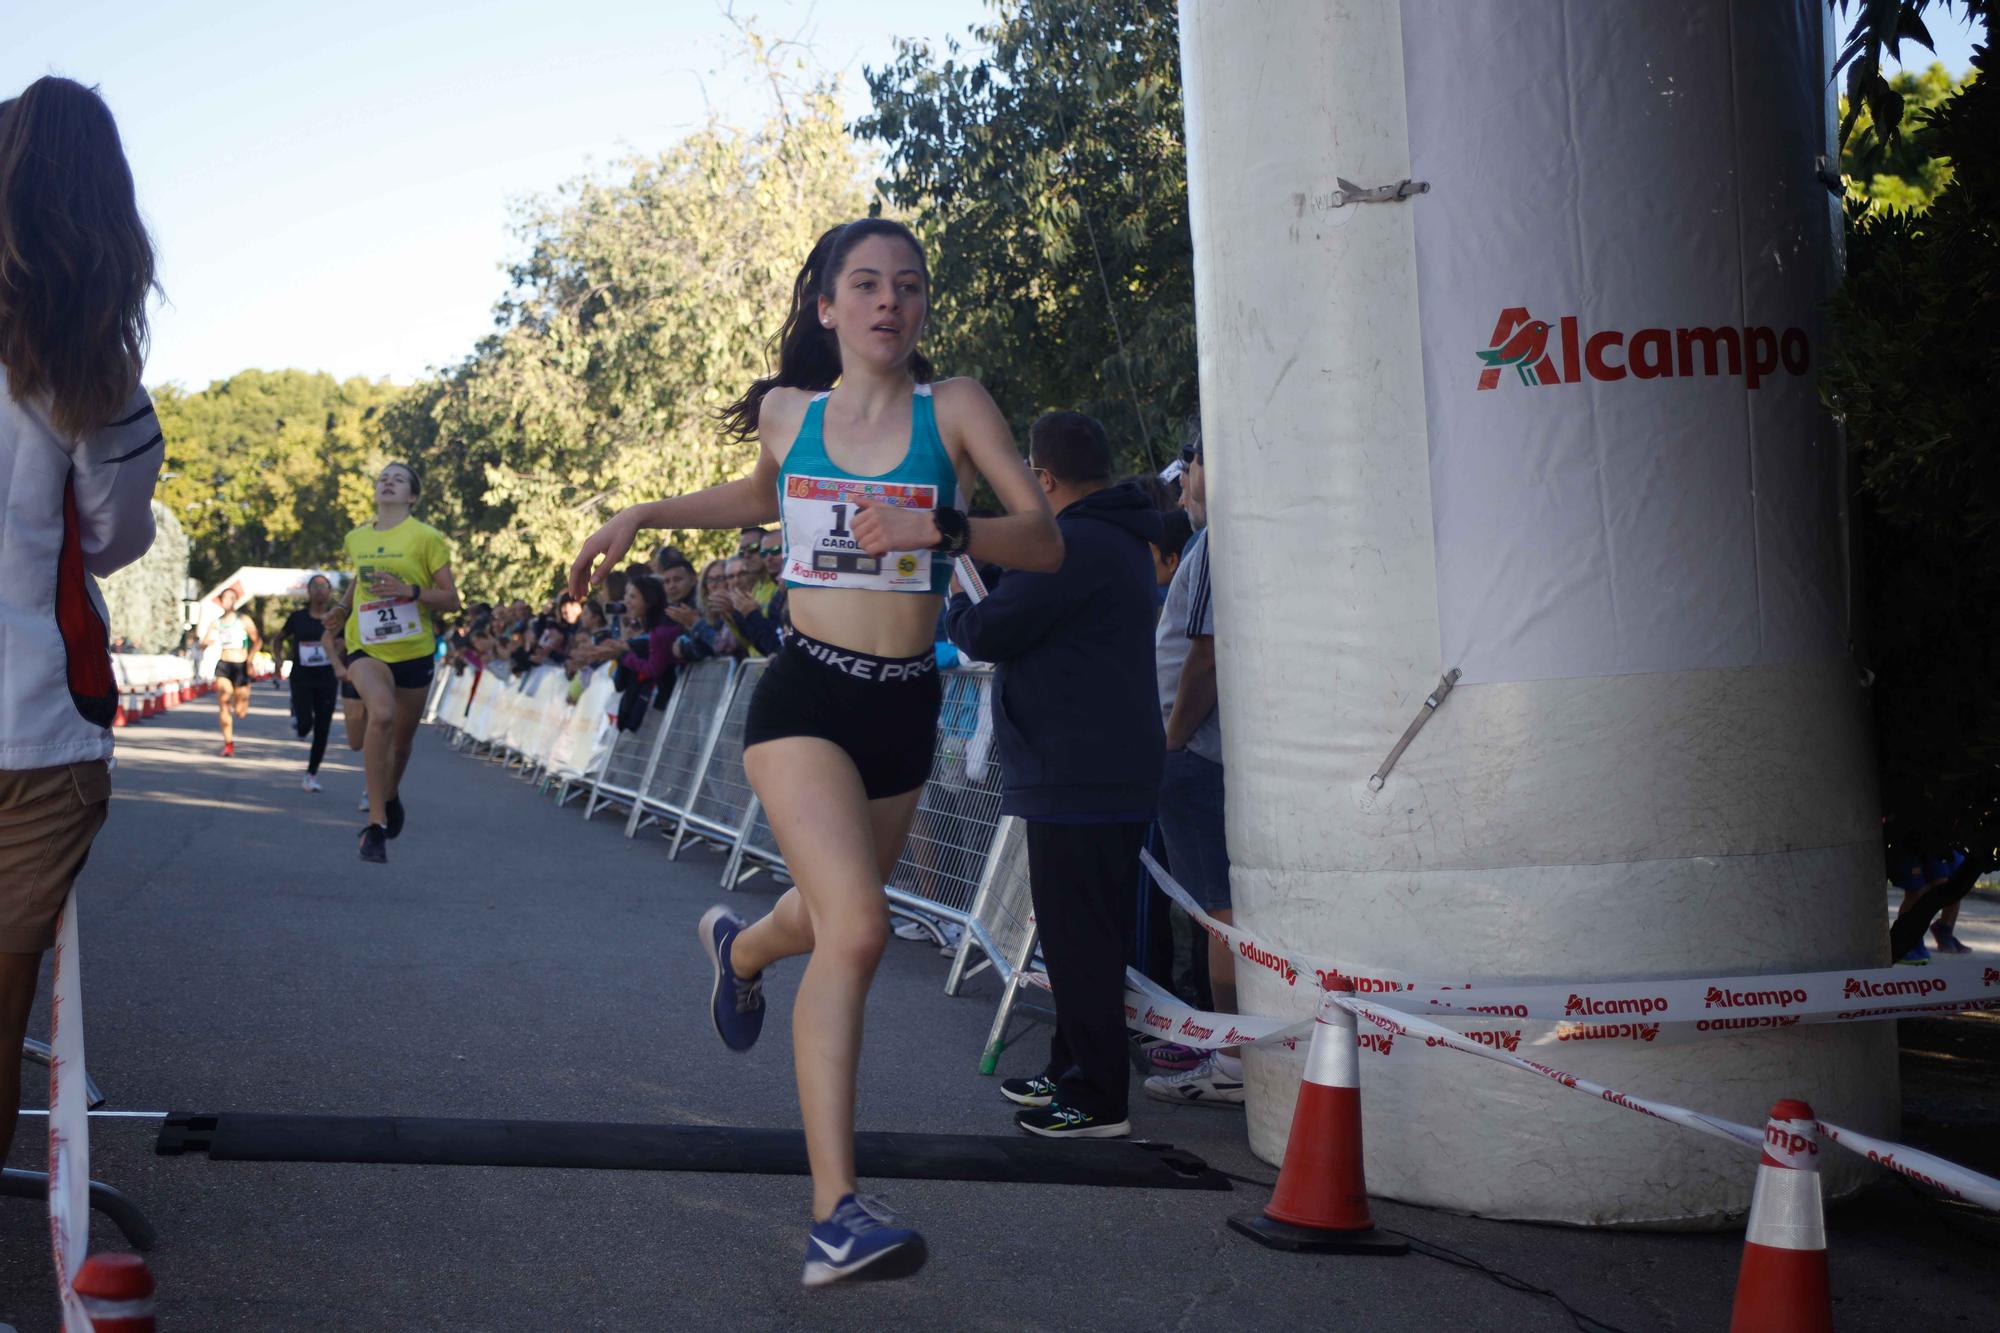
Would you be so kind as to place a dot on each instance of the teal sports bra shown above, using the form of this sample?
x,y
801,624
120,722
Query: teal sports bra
x,y
817,501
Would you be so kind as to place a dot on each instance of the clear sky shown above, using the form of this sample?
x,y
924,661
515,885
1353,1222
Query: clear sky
x,y
328,184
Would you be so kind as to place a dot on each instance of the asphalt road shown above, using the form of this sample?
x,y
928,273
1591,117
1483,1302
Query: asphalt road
x,y
513,961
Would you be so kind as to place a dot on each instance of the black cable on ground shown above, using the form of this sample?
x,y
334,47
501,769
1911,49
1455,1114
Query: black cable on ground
x,y
1445,1255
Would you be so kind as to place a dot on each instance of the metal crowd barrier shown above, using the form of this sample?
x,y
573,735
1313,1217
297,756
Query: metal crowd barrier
x,y
721,787
619,779
756,844
698,706
958,828
441,685
583,738
1001,925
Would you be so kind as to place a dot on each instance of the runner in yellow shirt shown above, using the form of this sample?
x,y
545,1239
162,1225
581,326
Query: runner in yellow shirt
x,y
402,581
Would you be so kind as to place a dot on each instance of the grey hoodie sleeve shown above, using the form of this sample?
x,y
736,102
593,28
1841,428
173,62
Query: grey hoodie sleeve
x,y
117,467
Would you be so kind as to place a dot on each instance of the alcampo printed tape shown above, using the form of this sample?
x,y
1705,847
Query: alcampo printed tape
x,y
1634,1010
1945,1177
1151,1010
1402,1024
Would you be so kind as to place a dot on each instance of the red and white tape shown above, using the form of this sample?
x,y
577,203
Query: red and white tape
x,y
1402,1024
1151,1010
1945,1177
1634,1010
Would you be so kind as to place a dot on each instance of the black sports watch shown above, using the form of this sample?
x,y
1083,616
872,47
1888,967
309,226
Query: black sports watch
x,y
954,530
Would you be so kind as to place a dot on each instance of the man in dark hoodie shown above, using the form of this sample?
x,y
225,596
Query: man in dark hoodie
x,y
1081,749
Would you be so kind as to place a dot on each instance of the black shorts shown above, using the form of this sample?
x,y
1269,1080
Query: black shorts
x,y
236,673
347,691
413,673
881,711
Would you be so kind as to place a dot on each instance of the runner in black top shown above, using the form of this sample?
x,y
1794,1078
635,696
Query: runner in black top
x,y
313,685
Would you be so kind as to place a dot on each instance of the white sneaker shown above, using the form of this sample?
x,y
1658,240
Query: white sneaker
x,y
311,783
1206,1084
363,807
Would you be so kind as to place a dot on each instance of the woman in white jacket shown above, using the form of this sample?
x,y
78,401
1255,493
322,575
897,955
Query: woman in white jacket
x,y
79,454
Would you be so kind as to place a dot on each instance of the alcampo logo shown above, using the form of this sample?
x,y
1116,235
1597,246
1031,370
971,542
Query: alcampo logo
x,y
1877,990
1642,1005
1719,997
1521,343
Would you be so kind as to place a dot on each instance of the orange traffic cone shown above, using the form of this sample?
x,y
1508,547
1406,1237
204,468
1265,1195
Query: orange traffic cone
x,y
1782,1287
118,719
117,1293
1321,1202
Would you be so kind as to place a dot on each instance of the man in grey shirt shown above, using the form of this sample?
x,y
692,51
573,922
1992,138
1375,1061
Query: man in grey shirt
x,y
1191,791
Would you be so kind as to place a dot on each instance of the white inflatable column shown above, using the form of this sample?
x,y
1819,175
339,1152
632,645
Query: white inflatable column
x,y
1553,424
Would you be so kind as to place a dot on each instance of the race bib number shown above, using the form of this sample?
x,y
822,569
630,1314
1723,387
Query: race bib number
x,y
391,621
312,654
819,514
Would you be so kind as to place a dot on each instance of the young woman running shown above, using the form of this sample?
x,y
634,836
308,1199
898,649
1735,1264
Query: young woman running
x,y
863,460
402,581
313,683
235,636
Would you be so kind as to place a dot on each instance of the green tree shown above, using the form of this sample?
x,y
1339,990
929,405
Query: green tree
x,y
644,302
1049,180
1903,170
143,599
1915,376
270,467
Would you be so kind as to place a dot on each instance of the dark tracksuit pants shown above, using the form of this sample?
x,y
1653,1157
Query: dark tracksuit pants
x,y
1081,878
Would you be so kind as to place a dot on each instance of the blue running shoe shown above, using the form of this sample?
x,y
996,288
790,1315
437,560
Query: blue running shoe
x,y
862,1240
1916,957
735,1006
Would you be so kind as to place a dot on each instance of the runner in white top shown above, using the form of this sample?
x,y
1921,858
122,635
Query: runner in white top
x,y
236,636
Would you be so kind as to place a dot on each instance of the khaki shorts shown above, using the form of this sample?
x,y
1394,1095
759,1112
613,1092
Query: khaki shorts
x,y
48,817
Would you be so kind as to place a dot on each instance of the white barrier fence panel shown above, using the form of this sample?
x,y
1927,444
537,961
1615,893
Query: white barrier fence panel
x,y
584,735
957,831
721,787
626,763
700,701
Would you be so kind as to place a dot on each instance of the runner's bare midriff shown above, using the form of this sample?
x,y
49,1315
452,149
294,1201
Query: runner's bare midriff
x,y
877,623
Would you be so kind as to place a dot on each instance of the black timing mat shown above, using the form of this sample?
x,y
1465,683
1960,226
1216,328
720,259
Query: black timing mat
x,y
233,1136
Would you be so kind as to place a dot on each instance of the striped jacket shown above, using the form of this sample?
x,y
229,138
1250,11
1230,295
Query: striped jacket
x,y
73,513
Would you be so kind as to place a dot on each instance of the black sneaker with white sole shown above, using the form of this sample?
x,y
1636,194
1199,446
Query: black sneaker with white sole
x,y
1066,1122
1037,1091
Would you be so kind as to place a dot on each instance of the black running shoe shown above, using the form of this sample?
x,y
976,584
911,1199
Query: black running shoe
x,y
374,844
394,810
1037,1091
1066,1122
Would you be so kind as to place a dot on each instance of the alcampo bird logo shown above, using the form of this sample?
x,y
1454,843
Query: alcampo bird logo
x,y
1524,351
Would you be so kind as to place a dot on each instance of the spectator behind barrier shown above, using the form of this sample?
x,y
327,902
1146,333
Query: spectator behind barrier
x,y
1080,744
1176,528
1191,792
754,629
